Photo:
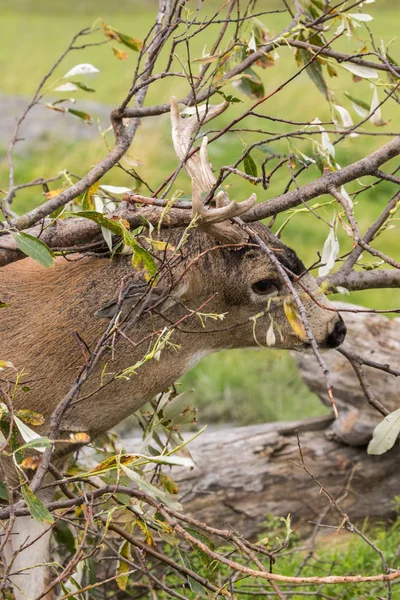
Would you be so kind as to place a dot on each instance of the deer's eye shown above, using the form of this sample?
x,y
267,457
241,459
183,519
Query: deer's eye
x,y
265,287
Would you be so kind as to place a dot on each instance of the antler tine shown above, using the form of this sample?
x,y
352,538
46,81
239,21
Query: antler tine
x,y
213,220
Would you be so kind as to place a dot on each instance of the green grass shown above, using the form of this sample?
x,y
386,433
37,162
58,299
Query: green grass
x,y
252,386
240,386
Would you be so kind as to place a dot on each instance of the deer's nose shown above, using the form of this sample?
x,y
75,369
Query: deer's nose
x,y
336,337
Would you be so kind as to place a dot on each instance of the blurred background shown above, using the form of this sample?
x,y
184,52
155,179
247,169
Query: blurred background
x,y
239,387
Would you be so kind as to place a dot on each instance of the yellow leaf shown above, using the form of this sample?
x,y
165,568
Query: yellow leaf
x,y
90,195
159,245
6,364
120,54
146,531
293,317
123,568
80,438
53,193
30,462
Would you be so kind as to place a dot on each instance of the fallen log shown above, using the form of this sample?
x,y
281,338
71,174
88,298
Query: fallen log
x,y
243,474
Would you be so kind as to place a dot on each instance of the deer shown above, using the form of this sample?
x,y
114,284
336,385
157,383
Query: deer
x,y
55,318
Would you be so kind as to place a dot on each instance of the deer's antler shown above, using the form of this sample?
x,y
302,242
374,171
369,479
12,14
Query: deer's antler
x,y
215,220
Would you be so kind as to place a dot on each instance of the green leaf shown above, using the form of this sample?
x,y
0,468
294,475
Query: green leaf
x,y
35,248
228,98
357,101
40,443
194,585
314,71
250,167
130,42
251,85
3,304
83,86
142,259
81,115
385,434
35,506
151,490
123,38
101,220
64,536
204,557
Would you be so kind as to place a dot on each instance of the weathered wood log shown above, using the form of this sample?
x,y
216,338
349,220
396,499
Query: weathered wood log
x,y
245,473
242,474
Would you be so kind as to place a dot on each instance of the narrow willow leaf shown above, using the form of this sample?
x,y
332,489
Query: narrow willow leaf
x,y
6,364
363,72
64,535
118,53
314,71
107,235
142,259
40,444
330,253
35,506
344,115
34,248
123,38
83,86
130,42
375,111
180,461
195,587
250,167
385,434
363,17
150,489
115,189
252,46
294,318
83,69
101,220
271,338
160,245
229,98
123,568
326,143
67,87
81,115
346,196
250,84
29,436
